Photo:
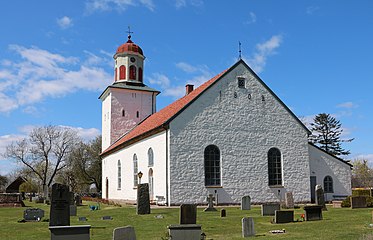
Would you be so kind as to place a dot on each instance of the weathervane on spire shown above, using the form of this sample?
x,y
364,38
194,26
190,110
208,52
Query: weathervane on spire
x,y
239,50
129,32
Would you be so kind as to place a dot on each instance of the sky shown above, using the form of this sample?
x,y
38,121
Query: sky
x,y
56,58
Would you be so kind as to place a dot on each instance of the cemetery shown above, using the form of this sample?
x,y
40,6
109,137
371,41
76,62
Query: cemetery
x,y
144,221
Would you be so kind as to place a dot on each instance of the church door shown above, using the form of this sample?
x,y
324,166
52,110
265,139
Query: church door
x,y
151,184
313,185
107,188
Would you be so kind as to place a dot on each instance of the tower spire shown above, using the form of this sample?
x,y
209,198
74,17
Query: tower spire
x,y
129,33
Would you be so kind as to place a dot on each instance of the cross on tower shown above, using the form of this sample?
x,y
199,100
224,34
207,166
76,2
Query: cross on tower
x,y
129,32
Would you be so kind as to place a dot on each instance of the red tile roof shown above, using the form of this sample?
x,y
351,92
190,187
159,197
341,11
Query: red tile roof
x,y
162,118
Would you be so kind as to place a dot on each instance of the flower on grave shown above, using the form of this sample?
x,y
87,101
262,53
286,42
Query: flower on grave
x,y
302,217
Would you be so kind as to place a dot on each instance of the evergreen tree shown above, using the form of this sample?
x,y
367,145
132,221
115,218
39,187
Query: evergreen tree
x,y
326,131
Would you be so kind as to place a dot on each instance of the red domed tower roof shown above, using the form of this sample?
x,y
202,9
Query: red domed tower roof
x,y
129,47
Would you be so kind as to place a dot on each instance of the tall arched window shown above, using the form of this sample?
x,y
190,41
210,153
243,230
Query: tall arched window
x,y
122,72
212,166
115,74
140,74
151,184
274,167
150,157
328,184
132,72
119,175
135,171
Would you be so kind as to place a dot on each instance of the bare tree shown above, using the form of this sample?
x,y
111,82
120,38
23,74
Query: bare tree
x,y
44,152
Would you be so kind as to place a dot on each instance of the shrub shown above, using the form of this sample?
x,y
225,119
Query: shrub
x,y
361,192
346,202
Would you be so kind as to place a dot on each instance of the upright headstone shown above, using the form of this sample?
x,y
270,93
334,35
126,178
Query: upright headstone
x,y
320,198
60,206
124,233
268,209
358,201
78,200
188,214
248,227
245,203
223,213
289,200
33,214
210,200
284,216
313,212
143,199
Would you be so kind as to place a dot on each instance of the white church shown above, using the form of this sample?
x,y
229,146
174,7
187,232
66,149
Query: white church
x,y
230,137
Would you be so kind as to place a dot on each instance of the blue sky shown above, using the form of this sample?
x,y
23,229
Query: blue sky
x,y
56,57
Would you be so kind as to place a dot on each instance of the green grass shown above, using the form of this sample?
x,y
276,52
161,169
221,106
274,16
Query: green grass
x,y
342,223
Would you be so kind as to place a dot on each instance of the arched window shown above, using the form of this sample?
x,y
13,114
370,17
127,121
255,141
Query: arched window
x,y
150,157
212,166
328,184
132,72
122,72
140,74
135,171
115,74
274,167
151,184
119,175
123,113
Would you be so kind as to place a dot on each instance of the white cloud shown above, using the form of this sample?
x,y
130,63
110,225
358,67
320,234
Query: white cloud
x,y
186,67
85,133
347,105
311,10
6,140
160,79
40,74
119,5
65,22
184,3
252,18
262,52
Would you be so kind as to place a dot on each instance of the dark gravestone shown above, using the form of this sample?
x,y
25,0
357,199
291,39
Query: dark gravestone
x,y
60,206
188,214
143,200
313,212
223,213
33,214
320,198
284,216
268,209
78,200
358,201
78,232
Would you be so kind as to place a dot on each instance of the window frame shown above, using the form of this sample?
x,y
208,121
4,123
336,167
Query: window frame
x,y
274,161
212,166
328,184
150,157
119,175
135,171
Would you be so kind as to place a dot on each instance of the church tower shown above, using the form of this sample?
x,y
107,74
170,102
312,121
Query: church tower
x,y
127,101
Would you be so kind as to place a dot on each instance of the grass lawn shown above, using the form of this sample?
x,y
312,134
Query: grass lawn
x,y
342,223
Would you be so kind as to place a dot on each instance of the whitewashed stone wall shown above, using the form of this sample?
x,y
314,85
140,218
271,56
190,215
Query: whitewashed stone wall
x,y
127,192
323,164
244,128
106,121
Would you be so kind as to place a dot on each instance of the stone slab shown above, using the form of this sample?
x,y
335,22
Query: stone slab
x,y
143,199
185,232
284,216
124,233
248,227
358,202
313,212
33,214
268,209
188,214
73,210
78,232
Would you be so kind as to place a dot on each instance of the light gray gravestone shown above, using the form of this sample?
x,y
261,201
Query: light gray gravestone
x,y
124,233
60,206
245,203
358,201
289,200
188,214
184,232
83,219
248,227
284,216
210,200
320,198
268,209
78,232
73,210
143,199
33,214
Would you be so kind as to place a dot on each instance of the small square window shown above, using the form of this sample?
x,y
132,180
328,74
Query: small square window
x,y
241,82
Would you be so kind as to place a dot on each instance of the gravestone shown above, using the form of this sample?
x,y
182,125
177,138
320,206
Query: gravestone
x,y
289,200
82,219
358,201
337,204
143,200
60,206
313,212
73,210
248,227
320,198
223,213
245,203
210,200
33,214
107,218
284,216
184,232
268,209
78,200
188,214
78,232
124,233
